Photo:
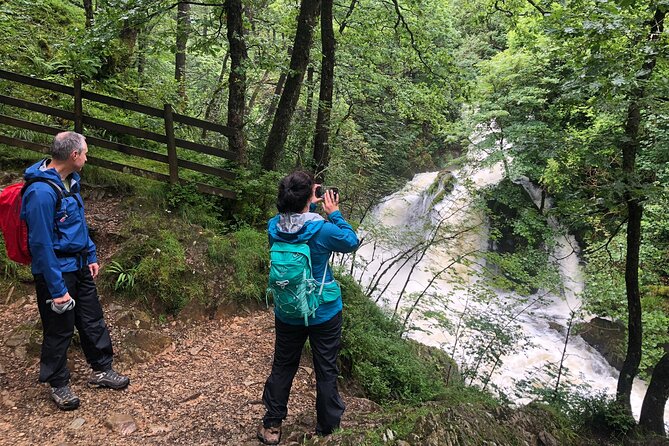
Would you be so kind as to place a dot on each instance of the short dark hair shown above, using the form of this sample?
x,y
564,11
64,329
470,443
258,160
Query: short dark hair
x,y
294,192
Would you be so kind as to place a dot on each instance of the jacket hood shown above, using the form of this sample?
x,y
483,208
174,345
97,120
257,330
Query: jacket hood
x,y
293,227
42,170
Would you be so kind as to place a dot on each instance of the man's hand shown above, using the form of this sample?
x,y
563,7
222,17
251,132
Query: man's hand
x,y
330,202
62,299
94,268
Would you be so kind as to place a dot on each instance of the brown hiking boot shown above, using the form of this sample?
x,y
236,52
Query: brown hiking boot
x,y
269,435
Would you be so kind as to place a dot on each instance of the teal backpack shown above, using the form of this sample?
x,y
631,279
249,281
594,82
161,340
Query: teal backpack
x,y
291,283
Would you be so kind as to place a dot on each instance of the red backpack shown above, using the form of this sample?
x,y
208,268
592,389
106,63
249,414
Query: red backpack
x,y
14,230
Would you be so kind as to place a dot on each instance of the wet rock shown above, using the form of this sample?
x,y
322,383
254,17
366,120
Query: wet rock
x,y
557,327
608,338
123,424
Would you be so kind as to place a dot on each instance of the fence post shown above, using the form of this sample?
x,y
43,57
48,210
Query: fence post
x,y
171,144
78,109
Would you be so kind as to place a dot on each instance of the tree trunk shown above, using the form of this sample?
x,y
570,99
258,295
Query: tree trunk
x,y
256,90
278,90
304,141
322,139
90,16
213,106
237,78
652,410
142,45
630,146
309,10
183,30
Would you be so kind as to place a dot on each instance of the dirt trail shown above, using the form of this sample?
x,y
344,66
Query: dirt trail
x,y
205,389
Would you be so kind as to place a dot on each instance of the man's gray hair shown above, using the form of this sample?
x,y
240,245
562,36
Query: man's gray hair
x,y
65,143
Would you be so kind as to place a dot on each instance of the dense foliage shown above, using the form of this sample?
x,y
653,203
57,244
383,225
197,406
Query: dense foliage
x,y
570,97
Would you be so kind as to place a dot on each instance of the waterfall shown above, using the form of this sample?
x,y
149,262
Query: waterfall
x,y
446,282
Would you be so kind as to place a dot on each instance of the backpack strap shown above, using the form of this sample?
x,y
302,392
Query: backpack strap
x,y
59,197
56,188
325,271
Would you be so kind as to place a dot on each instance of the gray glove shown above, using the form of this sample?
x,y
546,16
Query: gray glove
x,y
61,308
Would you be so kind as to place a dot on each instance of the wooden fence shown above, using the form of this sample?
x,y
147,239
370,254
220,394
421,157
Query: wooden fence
x,y
80,120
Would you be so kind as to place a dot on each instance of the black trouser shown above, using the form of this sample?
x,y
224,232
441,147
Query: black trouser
x,y
58,328
325,341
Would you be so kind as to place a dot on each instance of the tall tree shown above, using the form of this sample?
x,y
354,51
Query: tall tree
x,y
237,78
633,197
183,31
322,139
309,10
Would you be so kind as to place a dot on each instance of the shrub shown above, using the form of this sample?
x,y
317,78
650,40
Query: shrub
x,y
245,254
386,366
155,258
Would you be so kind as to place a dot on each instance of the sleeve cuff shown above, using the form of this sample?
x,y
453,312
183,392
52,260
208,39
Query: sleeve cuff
x,y
336,214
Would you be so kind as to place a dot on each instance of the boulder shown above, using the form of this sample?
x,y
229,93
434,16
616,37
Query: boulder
x,y
607,337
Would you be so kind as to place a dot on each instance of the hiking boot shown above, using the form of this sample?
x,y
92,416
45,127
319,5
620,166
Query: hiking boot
x,y
269,435
109,378
64,398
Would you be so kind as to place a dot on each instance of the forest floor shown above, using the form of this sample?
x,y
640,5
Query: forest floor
x,y
204,388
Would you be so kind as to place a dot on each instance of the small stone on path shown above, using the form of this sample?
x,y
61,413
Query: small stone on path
x,y
124,424
77,423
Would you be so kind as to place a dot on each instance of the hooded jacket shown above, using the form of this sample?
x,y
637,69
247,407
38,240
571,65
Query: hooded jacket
x,y
50,231
323,238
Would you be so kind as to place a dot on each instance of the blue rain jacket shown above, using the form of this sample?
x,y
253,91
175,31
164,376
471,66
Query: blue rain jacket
x,y
323,238
39,211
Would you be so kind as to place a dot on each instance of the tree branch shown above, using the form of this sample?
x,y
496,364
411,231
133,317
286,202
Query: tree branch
x,y
343,24
405,25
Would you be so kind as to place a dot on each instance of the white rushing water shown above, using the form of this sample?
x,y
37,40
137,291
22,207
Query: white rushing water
x,y
538,324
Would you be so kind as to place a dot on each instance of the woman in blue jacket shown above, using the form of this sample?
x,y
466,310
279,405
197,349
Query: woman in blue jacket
x,y
297,223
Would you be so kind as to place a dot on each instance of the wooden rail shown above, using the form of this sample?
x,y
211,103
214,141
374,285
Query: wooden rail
x,y
79,120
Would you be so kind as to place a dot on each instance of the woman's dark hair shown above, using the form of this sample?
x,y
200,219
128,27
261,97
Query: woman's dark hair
x,y
294,192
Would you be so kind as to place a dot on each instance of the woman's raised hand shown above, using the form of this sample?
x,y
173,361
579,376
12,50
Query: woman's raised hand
x,y
330,202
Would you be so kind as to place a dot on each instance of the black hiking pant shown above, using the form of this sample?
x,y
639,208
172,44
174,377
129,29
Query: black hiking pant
x,y
58,328
325,341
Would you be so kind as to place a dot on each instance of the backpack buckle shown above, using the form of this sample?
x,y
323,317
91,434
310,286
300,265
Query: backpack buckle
x,y
282,283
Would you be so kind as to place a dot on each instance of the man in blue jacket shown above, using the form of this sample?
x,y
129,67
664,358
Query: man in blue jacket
x,y
64,266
